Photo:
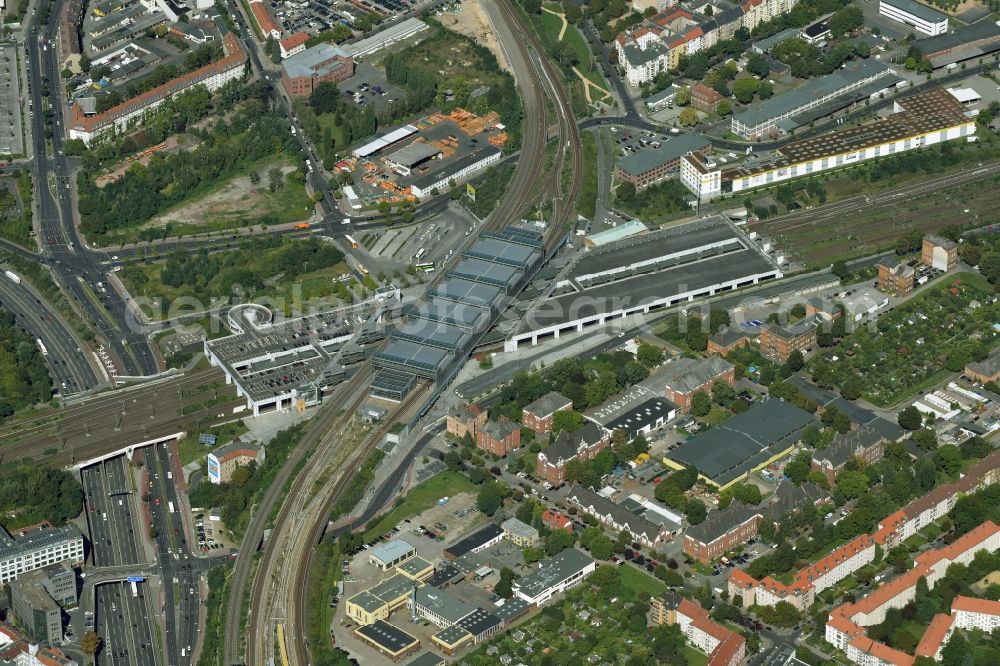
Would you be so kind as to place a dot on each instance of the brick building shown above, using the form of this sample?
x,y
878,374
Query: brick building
x,y
555,520
898,279
223,461
987,370
704,98
582,444
726,340
778,342
939,253
686,376
498,437
466,418
721,531
864,443
302,72
538,415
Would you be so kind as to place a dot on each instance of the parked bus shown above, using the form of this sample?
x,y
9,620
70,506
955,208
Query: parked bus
x,y
351,240
41,347
426,267
170,506
419,255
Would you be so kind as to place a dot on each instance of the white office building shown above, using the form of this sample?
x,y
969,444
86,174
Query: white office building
x,y
38,549
920,17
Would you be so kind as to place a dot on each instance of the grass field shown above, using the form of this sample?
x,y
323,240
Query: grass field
x,y
639,581
877,227
420,498
694,657
237,202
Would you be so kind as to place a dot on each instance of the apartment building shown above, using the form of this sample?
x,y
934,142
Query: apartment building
x,y
723,646
226,459
939,253
864,443
726,340
17,649
722,531
555,520
293,44
845,628
583,444
704,98
498,437
617,518
657,44
539,414
130,113
778,342
896,278
520,533
466,419
684,377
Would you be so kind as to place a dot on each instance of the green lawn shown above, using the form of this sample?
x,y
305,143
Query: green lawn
x,y
639,581
694,657
420,498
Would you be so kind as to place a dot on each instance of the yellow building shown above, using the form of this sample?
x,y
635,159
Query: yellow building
x,y
416,568
376,603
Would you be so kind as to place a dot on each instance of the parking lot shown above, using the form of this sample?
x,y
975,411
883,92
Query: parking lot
x,y
208,533
11,140
369,87
319,16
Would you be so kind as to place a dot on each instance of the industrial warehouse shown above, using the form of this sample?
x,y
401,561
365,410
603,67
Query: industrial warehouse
x,y
281,365
645,273
921,120
457,311
425,158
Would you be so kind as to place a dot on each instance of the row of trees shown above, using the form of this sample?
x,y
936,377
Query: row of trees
x,y
253,133
24,377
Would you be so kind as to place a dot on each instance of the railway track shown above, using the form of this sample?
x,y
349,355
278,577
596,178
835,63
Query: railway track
x,y
833,212
298,527
297,590
322,423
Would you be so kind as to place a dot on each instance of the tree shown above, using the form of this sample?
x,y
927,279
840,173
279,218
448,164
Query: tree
x,y
989,266
689,118
558,541
948,459
567,420
275,178
683,96
795,361
909,418
504,587
722,392
746,88
798,468
724,107
782,614
758,65
845,20
850,485
851,389
90,643
254,177
490,497
696,512
700,403
649,355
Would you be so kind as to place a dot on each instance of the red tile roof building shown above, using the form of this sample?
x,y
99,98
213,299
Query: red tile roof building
x,y
295,44
262,17
842,562
845,628
130,112
16,649
704,98
556,521
723,646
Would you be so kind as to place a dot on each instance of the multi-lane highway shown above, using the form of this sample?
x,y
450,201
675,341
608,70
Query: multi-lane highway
x,y
124,615
180,570
74,266
71,368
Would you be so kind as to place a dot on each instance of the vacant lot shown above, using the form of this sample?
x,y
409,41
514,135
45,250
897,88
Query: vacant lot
x,y
239,202
420,498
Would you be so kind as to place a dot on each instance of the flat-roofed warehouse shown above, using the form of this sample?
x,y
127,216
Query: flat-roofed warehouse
x,y
744,444
645,273
443,329
412,155
965,43
390,640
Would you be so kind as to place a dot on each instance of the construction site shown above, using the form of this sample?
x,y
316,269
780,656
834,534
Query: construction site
x,y
425,158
